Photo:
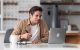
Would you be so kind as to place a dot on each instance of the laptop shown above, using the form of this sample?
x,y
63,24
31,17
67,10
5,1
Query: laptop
x,y
57,36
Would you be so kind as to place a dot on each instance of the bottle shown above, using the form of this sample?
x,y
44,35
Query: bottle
x,y
69,27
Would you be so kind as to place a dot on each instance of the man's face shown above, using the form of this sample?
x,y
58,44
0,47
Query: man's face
x,y
36,17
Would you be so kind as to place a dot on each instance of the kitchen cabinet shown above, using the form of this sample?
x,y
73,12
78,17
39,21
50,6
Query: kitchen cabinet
x,y
73,38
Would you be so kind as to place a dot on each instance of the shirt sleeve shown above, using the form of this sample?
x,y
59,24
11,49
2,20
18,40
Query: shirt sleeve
x,y
45,34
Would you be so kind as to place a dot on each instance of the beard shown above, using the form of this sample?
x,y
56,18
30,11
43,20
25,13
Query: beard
x,y
38,21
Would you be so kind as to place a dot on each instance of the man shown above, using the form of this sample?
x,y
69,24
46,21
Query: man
x,y
33,29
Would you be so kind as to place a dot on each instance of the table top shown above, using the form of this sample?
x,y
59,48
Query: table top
x,y
43,45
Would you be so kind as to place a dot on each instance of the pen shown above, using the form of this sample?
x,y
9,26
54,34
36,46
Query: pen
x,y
26,31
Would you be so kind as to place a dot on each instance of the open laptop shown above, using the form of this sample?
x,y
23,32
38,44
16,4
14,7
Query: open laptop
x,y
57,36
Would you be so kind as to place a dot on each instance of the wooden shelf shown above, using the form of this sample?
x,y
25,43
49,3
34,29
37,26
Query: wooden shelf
x,y
73,34
10,3
22,11
59,3
69,13
10,19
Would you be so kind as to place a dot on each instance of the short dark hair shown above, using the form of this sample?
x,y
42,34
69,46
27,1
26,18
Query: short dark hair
x,y
35,8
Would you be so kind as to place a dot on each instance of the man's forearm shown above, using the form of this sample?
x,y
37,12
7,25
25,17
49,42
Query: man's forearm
x,y
13,39
21,37
44,38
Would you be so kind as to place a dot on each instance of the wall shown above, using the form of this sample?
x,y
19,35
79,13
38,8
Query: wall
x,y
12,11
73,19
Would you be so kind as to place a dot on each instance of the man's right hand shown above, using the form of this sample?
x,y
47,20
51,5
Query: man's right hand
x,y
26,36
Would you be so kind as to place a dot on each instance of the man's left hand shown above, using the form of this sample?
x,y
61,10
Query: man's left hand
x,y
36,41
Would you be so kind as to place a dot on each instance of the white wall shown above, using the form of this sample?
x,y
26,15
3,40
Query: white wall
x,y
73,19
12,11
25,5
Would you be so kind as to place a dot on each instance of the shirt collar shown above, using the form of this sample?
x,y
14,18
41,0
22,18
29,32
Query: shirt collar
x,y
28,21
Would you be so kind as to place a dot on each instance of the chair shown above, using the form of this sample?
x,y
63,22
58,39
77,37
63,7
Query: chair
x,y
7,35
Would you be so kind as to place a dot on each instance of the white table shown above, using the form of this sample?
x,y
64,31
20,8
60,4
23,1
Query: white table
x,y
43,45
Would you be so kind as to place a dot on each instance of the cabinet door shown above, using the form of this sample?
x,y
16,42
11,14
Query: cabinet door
x,y
48,14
